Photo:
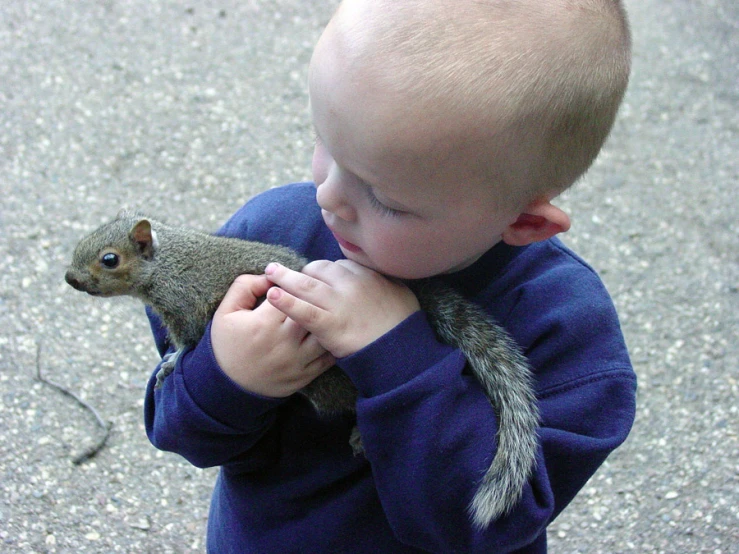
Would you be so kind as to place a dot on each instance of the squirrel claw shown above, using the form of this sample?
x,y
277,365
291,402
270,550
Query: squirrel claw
x,y
164,370
168,363
355,440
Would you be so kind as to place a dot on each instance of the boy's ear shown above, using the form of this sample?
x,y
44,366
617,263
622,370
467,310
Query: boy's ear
x,y
539,221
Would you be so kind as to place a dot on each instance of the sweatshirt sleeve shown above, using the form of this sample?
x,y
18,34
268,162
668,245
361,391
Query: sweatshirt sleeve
x,y
200,413
429,434
204,416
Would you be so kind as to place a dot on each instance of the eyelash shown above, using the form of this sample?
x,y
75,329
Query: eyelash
x,y
379,206
374,202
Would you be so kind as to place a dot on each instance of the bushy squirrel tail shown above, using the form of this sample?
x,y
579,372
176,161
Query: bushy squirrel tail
x,y
504,374
506,378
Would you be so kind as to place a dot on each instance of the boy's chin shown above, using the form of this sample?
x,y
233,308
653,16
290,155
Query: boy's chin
x,y
402,273
362,259
359,257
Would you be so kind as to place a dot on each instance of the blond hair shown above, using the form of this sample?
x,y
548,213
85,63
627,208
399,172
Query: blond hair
x,y
549,71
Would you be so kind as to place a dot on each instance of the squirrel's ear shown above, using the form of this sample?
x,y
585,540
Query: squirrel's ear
x,y
144,238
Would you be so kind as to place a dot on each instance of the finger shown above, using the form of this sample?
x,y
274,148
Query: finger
x,y
320,364
315,355
311,348
354,267
326,271
300,285
269,312
243,293
301,312
361,271
292,328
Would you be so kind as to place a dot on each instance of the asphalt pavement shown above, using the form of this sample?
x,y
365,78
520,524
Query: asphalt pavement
x,y
186,109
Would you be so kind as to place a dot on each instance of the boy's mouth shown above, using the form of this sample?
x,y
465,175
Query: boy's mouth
x,y
344,243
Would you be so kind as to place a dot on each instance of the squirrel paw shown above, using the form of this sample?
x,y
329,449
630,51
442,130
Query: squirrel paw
x,y
355,440
164,370
168,362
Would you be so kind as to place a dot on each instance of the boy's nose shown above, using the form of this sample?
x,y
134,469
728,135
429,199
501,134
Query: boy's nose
x,y
330,197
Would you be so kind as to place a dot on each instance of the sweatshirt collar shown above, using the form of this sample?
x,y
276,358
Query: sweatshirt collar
x,y
471,280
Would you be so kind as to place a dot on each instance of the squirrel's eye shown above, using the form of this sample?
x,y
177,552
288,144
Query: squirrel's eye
x,y
110,260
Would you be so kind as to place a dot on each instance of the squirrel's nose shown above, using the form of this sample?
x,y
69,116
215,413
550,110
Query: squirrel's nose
x,y
69,278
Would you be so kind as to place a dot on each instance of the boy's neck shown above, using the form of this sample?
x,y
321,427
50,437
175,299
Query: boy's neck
x,y
471,280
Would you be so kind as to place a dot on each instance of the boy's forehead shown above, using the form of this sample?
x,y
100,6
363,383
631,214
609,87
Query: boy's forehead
x,y
350,103
344,91
348,85
391,89
363,115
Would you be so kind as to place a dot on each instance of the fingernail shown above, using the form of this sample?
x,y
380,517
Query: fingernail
x,y
271,268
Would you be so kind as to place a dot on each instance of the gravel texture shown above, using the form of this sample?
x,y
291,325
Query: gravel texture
x,y
187,109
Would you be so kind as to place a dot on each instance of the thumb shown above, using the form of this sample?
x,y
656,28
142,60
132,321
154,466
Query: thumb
x,y
244,293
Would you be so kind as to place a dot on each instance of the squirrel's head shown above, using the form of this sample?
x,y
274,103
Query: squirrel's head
x,y
110,260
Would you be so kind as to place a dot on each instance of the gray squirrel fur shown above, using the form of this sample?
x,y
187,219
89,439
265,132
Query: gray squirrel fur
x,y
184,274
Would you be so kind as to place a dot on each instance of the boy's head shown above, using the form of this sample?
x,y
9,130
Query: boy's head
x,y
469,115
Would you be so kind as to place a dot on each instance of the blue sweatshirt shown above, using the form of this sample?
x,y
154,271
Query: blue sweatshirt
x,y
289,481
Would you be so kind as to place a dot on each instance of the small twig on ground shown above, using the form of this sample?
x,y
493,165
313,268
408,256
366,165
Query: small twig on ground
x,y
100,444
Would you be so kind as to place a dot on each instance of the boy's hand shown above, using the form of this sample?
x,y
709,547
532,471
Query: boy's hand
x,y
346,306
260,348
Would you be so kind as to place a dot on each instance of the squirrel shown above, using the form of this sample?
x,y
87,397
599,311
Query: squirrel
x,y
183,275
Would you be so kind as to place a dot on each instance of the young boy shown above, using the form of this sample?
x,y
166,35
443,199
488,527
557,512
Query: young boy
x,y
444,131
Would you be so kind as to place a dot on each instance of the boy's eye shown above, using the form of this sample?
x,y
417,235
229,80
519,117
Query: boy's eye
x,y
379,206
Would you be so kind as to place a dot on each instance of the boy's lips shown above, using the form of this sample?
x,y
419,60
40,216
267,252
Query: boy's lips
x,y
345,243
